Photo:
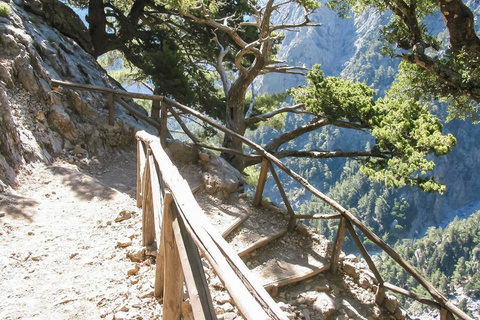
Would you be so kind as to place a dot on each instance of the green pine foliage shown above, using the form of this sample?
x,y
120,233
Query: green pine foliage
x,y
5,9
447,258
405,131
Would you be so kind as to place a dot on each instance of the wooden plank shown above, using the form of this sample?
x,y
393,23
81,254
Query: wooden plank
x,y
364,253
157,200
234,225
295,278
412,295
140,168
197,285
257,200
160,261
111,109
148,222
71,85
173,279
337,247
261,242
292,222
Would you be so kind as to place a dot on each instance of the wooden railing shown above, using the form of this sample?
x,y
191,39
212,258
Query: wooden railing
x,y
214,246
173,221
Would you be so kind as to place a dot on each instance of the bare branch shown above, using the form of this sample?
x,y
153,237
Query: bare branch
x,y
316,123
338,153
284,69
219,65
299,108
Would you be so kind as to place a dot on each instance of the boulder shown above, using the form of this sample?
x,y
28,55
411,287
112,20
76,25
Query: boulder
x,y
220,178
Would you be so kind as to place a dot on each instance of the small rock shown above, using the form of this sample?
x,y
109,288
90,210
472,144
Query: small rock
x,y
224,298
282,305
310,298
325,304
302,230
136,256
124,309
324,288
390,303
124,215
301,300
306,314
351,257
123,243
365,281
350,312
148,294
2,214
31,233
37,258
132,272
228,316
121,316
350,269
78,149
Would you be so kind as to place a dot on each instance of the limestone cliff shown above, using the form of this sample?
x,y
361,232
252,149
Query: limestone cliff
x,y
36,45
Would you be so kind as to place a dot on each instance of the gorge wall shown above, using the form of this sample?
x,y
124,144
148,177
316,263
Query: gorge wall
x,y
37,122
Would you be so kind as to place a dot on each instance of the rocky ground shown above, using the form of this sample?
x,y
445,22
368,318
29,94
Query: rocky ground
x,y
71,249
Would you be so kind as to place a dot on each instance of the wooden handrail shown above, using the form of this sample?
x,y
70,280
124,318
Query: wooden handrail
x,y
446,306
250,297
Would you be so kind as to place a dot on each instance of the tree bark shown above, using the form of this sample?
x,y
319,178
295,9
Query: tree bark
x,y
461,25
235,121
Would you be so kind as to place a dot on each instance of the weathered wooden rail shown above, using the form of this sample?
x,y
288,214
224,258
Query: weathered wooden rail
x,y
173,221
178,211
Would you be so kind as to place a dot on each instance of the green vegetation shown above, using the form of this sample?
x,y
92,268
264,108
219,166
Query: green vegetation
x,y
442,66
405,131
447,258
5,9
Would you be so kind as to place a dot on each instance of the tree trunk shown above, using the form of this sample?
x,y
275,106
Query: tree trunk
x,y
235,120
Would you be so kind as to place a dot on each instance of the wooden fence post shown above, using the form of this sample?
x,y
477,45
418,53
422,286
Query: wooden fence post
x,y
148,220
337,247
173,278
140,169
257,200
160,261
111,109
197,286
292,223
446,315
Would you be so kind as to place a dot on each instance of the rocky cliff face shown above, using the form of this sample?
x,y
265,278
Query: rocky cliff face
x,y
36,121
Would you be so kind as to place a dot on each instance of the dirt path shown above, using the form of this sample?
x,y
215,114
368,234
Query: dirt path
x,y
59,253
71,249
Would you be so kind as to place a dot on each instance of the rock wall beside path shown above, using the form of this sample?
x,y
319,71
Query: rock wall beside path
x,y
37,122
